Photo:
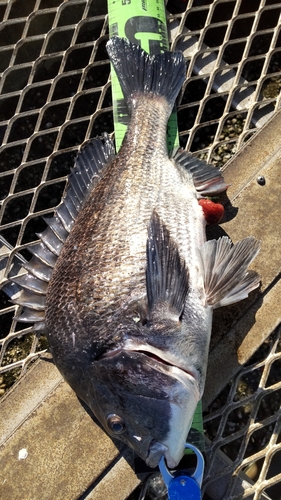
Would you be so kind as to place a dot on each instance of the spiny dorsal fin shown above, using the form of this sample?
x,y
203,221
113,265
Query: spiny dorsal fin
x,y
208,180
166,273
226,277
85,174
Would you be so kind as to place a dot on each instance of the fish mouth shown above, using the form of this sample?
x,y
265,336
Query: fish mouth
x,y
164,362
156,451
182,397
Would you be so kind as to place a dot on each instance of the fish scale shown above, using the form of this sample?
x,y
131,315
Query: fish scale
x,y
130,296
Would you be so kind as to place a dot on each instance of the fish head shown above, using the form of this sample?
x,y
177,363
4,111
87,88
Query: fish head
x,y
146,402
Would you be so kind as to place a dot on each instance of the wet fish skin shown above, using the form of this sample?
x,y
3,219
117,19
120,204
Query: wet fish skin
x,y
117,259
109,276
129,302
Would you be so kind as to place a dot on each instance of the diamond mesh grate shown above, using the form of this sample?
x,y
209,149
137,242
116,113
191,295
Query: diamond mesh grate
x,y
55,94
245,423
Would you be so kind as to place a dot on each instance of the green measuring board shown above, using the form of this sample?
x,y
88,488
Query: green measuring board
x,y
143,22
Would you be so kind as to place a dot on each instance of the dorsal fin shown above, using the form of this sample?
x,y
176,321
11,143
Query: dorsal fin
x,y
208,180
84,176
166,273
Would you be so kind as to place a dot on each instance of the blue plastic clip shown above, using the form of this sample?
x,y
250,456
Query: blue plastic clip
x,y
181,486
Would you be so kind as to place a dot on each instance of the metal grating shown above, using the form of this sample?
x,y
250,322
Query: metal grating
x,y
245,423
55,94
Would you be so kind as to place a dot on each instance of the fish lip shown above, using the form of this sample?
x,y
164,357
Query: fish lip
x,y
160,357
156,451
165,362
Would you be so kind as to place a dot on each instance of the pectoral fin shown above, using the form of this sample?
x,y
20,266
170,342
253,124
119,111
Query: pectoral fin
x,y
224,268
166,273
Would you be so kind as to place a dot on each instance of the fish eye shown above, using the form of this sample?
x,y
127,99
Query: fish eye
x,y
115,424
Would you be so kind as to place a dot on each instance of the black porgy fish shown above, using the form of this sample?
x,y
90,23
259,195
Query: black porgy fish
x,y
123,280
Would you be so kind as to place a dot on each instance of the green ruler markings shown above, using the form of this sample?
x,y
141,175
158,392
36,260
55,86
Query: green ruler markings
x,y
143,22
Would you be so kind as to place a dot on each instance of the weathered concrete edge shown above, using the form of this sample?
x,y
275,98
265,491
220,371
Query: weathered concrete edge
x,y
29,392
248,162
119,482
40,382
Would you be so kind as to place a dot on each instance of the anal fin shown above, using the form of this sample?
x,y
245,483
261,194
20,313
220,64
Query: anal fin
x,y
225,269
208,179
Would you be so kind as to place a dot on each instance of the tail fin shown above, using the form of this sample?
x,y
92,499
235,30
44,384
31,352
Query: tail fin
x,y
138,72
